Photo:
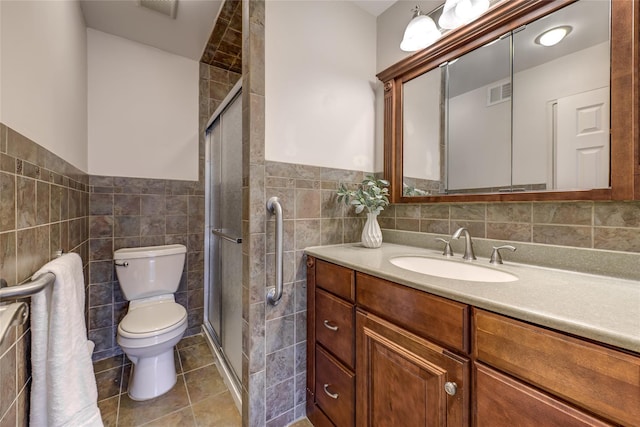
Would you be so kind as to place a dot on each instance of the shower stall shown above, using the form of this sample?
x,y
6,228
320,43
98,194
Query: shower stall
x,y
223,238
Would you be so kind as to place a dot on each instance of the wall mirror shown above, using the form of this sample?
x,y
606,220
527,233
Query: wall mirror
x,y
491,113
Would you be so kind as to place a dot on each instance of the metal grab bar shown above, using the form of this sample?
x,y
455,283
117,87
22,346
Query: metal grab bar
x,y
28,289
274,294
218,232
16,314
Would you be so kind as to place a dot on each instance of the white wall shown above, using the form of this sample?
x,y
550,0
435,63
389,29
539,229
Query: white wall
x,y
533,89
421,126
43,76
479,145
143,110
320,84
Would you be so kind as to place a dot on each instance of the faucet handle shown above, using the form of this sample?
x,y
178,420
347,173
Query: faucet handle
x,y
447,246
496,258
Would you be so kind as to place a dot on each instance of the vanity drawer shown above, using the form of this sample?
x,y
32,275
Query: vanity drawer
x,y
335,279
504,401
335,389
424,314
335,326
602,380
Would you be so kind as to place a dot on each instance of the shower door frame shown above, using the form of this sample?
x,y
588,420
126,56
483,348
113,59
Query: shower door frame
x,y
232,378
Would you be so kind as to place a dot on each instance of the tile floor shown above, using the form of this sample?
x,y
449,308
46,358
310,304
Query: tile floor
x,y
200,397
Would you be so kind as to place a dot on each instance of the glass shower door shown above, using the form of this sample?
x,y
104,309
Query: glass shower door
x,y
225,263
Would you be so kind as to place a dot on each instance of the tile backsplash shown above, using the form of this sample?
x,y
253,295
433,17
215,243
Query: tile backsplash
x,y
596,225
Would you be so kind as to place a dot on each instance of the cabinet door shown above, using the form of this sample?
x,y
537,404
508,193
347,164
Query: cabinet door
x,y
401,378
504,402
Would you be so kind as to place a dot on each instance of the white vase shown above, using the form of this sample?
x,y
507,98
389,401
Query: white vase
x,y
371,233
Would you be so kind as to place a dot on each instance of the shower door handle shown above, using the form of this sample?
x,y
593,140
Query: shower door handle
x,y
218,232
274,294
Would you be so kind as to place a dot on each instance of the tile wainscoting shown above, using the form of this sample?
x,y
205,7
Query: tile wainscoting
x,y
43,208
133,212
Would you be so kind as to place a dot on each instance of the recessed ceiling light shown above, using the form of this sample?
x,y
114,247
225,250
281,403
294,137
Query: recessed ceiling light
x,y
553,36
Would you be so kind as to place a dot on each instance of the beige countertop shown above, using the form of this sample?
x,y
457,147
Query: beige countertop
x,y
601,308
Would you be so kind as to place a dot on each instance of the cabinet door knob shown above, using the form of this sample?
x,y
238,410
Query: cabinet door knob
x,y
329,326
331,395
450,388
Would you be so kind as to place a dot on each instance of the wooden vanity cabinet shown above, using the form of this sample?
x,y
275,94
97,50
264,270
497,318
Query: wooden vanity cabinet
x,y
330,344
590,377
395,360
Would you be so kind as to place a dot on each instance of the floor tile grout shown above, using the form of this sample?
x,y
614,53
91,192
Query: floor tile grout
x,y
204,386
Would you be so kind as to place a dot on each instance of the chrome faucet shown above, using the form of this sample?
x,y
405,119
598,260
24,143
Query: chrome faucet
x,y
468,244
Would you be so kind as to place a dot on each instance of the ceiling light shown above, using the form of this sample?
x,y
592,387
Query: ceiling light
x,y
420,32
553,36
458,12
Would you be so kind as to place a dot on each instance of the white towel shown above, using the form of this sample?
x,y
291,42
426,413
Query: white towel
x,y
63,391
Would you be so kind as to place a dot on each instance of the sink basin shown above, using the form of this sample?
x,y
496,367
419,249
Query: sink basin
x,y
452,269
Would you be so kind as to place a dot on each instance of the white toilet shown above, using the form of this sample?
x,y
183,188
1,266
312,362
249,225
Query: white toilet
x,y
149,277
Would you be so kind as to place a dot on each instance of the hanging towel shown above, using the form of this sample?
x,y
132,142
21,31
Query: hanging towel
x,y
63,391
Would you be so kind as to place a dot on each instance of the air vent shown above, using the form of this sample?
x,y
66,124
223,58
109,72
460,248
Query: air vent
x,y
499,93
165,7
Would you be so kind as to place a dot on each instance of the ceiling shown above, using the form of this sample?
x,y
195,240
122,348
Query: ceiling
x,y
374,7
188,35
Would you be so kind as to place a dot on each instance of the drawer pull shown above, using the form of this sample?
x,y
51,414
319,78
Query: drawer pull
x,y
450,388
329,326
331,395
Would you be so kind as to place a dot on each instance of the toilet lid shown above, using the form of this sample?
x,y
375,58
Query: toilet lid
x,y
153,317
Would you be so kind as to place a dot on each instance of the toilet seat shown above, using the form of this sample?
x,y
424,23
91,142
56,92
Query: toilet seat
x,y
153,319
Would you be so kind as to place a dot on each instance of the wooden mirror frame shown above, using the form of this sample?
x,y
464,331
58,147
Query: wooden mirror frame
x,y
504,17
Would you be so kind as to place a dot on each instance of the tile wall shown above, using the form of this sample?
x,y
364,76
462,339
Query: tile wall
x,y
312,216
215,84
129,212
597,225
43,208
133,212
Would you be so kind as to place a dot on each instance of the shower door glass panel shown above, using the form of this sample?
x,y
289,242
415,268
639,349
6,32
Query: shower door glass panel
x,y
226,270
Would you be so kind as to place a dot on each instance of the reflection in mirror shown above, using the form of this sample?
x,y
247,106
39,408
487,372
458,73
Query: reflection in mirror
x,y
561,101
479,119
516,114
423,166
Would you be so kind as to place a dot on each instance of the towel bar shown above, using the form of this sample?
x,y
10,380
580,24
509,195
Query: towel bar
x,y
17,313
32,287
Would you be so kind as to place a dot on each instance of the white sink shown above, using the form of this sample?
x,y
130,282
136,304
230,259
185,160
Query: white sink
x,y
452,269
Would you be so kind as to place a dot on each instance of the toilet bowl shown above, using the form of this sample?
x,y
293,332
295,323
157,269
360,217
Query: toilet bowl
x,y
154,322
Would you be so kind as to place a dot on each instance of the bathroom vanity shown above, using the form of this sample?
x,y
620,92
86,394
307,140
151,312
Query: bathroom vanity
x,y
389,346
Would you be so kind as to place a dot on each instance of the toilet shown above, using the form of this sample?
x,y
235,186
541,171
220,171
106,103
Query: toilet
x,y
149,277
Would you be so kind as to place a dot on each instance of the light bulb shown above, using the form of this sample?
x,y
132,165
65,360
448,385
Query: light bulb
x,y
553,36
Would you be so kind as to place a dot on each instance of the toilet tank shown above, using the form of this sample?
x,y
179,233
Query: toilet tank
x,y
149,271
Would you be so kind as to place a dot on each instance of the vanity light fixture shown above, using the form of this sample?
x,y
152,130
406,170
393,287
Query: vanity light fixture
x,y
420,32
459,12
553,36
